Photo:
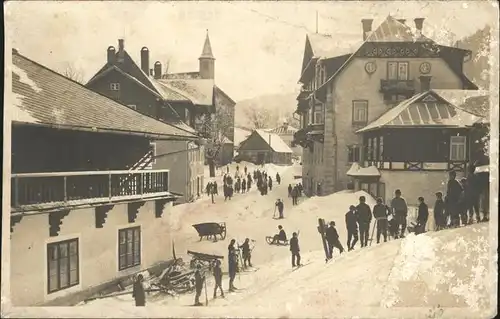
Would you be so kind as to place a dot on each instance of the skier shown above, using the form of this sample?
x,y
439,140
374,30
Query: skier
x,y
138,292
270,183
380,214
332,237
280,236
439,217
278,178
351,222
232,260
199,280
423,215
289,190
400,209
218,279
243,185
245,250
279,204
364,220
454,190
295,249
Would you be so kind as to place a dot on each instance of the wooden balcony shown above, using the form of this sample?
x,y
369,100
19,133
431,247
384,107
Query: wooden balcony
x,y
41,190
403,87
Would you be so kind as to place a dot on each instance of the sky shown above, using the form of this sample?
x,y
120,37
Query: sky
x,y
258,46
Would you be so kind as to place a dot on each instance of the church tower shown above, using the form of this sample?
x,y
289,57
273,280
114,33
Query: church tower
x,y
207,61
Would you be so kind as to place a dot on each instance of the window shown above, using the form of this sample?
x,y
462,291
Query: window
x,y
132,106
353,154
114,86
397,71
129,254
62,265
359,112
318,113
457,148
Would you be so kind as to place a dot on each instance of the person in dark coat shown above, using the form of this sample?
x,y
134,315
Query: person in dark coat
x,y
237,185
208,189
295,249
400,210
290,190
216,190
380,211
332,237
278,178
233,263
246,253
295,194
439,217
218,279
138,292
199,279
270,183
280,236
351,222
364,220
279,204
243,185
453,193
300,188
249,183
245,169
472,196
422,217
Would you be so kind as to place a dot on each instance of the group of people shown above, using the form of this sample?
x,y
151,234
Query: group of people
x,y
295,192
294,244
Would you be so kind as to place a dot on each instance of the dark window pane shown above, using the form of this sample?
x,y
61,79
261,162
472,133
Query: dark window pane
x,y
73,277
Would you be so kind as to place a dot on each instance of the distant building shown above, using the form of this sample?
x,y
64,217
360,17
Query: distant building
x,y
262,147
240,134
81,219
382,104
286,132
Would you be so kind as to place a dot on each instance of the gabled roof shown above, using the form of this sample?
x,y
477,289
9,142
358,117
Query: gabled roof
x,y
198,91
426,109
392,30
44,97
285,128
240,134
274,141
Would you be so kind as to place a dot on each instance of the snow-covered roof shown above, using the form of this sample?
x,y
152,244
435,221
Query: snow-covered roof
x,y
199,91
240,135
283,129
424,109
274,141
357,170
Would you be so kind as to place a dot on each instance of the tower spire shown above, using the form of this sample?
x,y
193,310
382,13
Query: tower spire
x,y
207,61
207,49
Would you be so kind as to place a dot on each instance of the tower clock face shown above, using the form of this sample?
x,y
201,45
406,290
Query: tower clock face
x,y
425,68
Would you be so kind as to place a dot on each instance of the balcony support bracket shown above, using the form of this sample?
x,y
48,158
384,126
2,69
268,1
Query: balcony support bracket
x,y
14,220
55,221
101,213
133,210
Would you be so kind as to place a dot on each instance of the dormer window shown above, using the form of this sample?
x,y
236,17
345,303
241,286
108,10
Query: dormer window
x,y
114,86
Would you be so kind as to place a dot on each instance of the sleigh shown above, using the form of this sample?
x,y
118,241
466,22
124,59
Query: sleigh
x,y
209,230
280,242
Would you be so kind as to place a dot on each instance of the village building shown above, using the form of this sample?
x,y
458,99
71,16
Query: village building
x,y
286,132
263,147
394,129
81,219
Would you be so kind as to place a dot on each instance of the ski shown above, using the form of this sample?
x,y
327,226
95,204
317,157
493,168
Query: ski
x,y
302,265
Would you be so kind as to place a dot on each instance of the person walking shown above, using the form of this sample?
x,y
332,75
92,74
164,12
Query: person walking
x,y
351,222
380,211
422,217
400,209
138,292
218,278
364,220
295,249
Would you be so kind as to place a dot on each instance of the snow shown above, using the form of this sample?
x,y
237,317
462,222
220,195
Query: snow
x,y
357,170
240,135
482,169
24,78
445,271
275,141
20,114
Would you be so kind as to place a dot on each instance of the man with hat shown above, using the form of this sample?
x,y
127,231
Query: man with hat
x,y
199,280
351,222
332,237
380,213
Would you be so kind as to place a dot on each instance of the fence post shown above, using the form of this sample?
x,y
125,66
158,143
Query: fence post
x,y
65,189
109,185
140,185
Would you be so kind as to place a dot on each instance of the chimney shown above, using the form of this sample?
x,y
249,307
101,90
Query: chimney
x,y
402,21
121,50
419,23
157,69
111,55
367,27
145,60
425,83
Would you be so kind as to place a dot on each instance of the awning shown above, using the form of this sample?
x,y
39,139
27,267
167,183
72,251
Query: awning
x,y
358,171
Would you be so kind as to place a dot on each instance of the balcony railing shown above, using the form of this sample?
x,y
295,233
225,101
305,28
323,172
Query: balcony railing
x,y
63,187
397,86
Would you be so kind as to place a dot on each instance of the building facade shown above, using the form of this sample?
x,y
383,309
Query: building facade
x,y
263,147
81,218
286,132
390,66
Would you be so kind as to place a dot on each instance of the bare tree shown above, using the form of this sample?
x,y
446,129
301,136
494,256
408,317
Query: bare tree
x,y
73,73
215,127
261,118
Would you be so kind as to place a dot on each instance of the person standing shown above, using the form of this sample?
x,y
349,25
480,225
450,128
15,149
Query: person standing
x,y
364,220
439,217
216,190
295,249
332,237
246,253
380,214
243,185
199,279
138,292
453,193
270,183
290,190
294,195
218,278
279,204
278,178
422,217
472,196
351,222
400,209
233,263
